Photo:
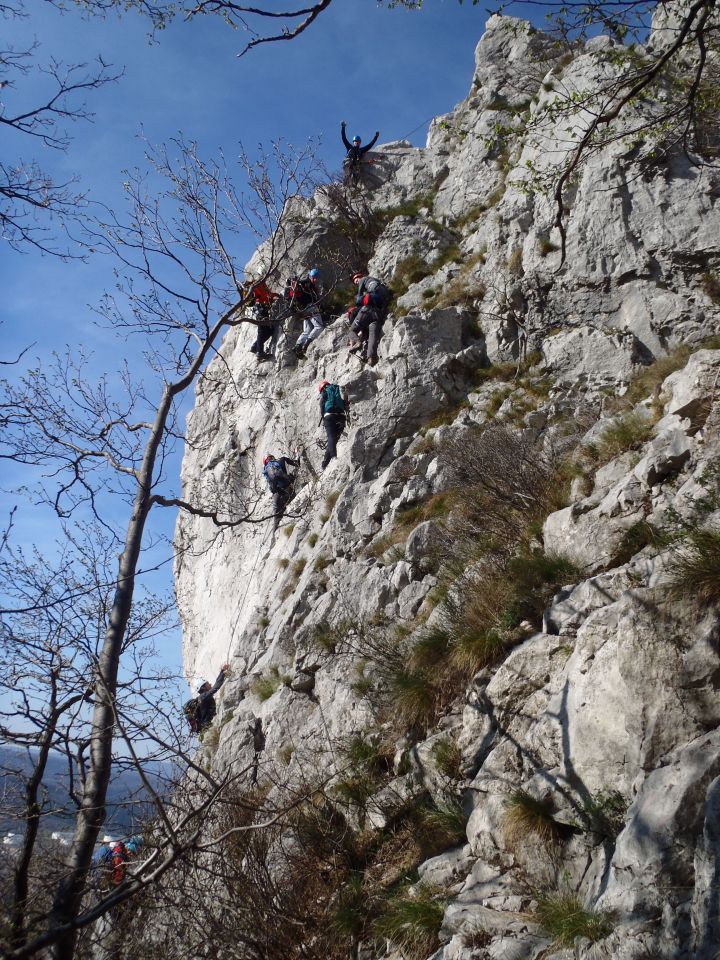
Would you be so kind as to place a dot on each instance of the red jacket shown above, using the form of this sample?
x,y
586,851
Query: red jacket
x,y
263,294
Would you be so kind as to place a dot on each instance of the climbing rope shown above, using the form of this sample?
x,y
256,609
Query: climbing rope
x,y
405,136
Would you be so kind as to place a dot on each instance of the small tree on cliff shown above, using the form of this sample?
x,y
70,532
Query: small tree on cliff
x,y
98,445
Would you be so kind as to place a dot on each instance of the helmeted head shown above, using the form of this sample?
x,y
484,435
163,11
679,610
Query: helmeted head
x,y
314,273
356,140
321,386
205,685
267,458
357,276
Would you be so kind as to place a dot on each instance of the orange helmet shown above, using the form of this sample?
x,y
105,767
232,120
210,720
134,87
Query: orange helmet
x,y
321,386
358,275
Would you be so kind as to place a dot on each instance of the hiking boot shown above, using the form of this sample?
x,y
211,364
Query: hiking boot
x,y
299,352
372,361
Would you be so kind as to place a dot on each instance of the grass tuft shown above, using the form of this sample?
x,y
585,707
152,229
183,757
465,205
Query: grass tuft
x,y
412,919
695,568
563,917
524,815
626,433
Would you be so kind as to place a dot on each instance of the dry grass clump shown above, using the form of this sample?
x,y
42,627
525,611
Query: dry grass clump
x,y
447,756
647,381
628,432
527,816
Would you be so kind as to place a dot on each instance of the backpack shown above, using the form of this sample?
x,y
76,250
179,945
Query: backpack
x,y
380,294
275,475
190,711
299,292
119,860
334,402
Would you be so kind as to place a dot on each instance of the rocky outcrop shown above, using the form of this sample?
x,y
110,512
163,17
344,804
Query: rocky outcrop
x,y
604,705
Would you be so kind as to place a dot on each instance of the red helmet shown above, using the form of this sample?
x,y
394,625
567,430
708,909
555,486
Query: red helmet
x,y
358,275
321,386
267,458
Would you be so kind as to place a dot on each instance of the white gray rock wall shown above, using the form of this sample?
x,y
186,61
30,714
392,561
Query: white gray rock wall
x,y
620,692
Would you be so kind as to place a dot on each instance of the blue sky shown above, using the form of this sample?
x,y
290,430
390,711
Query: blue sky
x,y
391,70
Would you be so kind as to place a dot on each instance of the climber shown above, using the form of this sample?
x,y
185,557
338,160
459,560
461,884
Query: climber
x,y
334,412
200,711
368,316
263,302
281,483
304,296
355,153
258,736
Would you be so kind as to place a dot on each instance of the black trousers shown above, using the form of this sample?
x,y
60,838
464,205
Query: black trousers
x,y
334,425
281,497
264,333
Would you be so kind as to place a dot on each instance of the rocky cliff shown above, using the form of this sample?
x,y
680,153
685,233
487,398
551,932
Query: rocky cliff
x,y
503,586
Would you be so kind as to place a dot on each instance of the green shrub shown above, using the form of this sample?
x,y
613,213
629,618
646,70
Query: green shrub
x,y
371,757
546,246
563,917
430,649
288,529
525,815
331,499
265,686
605,813
313,539
695,569
299,566
324,637
711,286
443,826
411,270
639,535
283,563
411,920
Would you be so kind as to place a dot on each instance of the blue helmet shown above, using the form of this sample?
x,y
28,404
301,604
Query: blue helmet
x,y
356,138
314,273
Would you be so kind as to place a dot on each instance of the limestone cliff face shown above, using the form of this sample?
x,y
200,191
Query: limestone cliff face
x,y
613,694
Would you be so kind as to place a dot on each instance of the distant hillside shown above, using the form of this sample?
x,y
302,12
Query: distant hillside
x,y
126,803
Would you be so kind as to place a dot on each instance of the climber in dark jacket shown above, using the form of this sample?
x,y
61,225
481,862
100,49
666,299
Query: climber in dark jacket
x,y
333,416
281,483
206,709
369,314
355,153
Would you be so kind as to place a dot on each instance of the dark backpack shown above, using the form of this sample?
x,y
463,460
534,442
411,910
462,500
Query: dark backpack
x,y
299,292
334,402
190,711
380,294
